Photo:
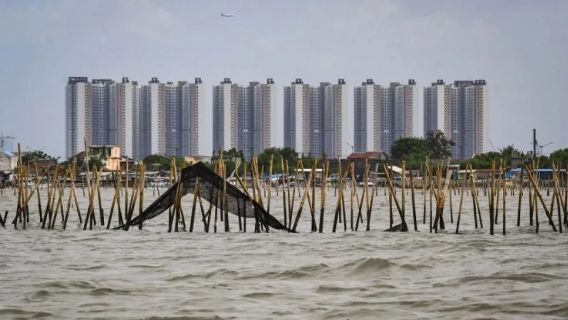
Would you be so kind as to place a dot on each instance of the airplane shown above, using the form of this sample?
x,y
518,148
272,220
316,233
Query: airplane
x,y
227,15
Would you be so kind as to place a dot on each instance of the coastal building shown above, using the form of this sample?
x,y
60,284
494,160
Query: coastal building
x,y
172,98
437,99
123,117
192,100
157,118
476,119
406,111
151,119
335,116
224,115
367,125
78,115
296,115
383,115
460,112
316,118
100,101
242,116
262,105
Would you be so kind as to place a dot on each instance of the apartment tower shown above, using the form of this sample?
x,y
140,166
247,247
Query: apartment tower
x,y
78,115
123,116
367,125
242,116
152,119
296,115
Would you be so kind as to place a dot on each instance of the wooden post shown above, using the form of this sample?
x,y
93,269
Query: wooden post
x,y
413,202
520,197
460,209
532,180
325,166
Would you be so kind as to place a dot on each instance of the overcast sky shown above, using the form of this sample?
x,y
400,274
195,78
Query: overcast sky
x,y
519,47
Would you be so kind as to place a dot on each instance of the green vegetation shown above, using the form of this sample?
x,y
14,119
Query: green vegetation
x,y
278,154
158,162
414,151
33,156
561,157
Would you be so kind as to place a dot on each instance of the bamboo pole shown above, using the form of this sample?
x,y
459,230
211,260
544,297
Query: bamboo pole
x,y
398,207
413,202
325,166
304,196
520,197
492,200
340,196
532,180
115,198
460,209
503,208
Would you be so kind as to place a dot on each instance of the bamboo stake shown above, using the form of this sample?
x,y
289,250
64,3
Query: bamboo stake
x,y
413,202
460,210
520,198
532,180
323,193
304,196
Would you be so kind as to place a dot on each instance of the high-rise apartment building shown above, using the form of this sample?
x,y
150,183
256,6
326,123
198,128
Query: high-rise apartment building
x,y
476,119
100,101
316,118
173,95
123,117
296,116
224,115
367,125
156,118
242,116
385,114
262,106
78,115
437,107
336,115
460,112
152,119
192,99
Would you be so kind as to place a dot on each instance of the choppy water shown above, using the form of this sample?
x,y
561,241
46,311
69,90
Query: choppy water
x,y
152,274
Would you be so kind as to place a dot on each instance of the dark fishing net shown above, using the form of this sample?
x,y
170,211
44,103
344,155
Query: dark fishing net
x,y
210,189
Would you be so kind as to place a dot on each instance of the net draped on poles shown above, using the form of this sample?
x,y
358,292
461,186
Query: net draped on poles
x,y
210,187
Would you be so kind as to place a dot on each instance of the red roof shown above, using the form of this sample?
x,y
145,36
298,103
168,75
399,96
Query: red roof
x,y
372,155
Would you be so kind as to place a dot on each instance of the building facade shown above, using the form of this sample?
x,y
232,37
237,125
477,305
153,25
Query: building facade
x,y
336,115
316,119
155,118
78,115
460,111
367,102
383,115
123,116
192,99
152,119
296,115
437,107
242,116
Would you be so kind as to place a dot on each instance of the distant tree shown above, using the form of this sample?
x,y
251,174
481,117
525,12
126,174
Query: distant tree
x,y
561,157
438,146
406,148
485,160
511,152
278,155
232,154
35,155
159,162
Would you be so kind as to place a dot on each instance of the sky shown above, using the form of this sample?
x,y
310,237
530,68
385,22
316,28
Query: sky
x,y
519,47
